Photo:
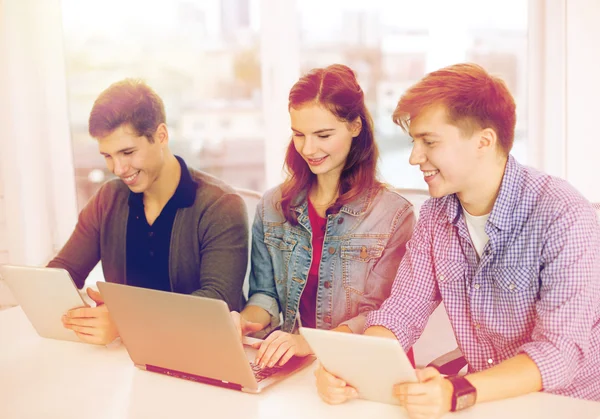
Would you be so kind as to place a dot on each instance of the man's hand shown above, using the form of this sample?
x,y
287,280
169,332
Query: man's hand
x,y
430,398
280,347
332,389
92,324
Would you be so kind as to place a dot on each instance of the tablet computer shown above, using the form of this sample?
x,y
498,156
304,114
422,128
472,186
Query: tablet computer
x,y
372,365
44,294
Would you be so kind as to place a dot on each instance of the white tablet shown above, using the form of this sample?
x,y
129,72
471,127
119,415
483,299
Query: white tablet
x,y
44,294
372,365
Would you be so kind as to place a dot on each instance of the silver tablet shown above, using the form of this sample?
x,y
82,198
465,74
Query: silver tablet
x,y
372,365
44,294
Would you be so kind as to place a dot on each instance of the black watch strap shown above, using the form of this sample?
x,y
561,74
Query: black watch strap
x,y
464,394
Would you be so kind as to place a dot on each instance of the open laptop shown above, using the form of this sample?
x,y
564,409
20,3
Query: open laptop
x,y
44,294
188,337
370,364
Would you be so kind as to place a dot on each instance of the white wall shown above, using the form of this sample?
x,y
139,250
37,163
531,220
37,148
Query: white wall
x,y
280,65
564,87
37,187
3,230
35,150
583,96
6,299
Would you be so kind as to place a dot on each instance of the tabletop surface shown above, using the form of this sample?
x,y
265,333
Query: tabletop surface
x,y
57,379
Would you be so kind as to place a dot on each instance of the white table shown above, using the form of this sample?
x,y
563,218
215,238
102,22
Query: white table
x,y
54,379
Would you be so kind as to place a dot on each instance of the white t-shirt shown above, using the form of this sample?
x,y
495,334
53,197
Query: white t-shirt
x,y
476,227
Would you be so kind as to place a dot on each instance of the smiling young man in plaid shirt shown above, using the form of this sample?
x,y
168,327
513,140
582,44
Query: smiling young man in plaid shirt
x,y
513,254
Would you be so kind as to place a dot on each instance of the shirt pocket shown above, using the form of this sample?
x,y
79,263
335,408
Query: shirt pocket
x,y
357,261
450,274
514,301
512,280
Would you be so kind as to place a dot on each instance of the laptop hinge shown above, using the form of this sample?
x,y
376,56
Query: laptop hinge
x,y
193,377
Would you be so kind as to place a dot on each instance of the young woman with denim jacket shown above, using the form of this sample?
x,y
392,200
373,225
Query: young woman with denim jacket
x,y
326,243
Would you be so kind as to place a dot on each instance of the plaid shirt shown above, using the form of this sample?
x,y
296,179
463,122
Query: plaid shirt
x,y
536,289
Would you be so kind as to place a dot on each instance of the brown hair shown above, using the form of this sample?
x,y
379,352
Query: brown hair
x,y
130,101
472,98
335,88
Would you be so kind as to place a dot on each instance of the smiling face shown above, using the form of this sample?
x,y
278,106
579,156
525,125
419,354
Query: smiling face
x,y
448,159
134,159
321,139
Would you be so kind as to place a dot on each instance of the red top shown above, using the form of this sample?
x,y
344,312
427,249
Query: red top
x,y
308,300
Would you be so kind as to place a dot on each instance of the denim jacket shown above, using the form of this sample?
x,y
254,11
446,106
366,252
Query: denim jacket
x,y
363,245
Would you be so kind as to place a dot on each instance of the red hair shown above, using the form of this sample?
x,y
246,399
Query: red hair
x,y
335,88
472,97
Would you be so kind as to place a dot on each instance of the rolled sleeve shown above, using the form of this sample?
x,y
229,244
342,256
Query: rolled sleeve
x,y
267,303
569,294
384,319
262,288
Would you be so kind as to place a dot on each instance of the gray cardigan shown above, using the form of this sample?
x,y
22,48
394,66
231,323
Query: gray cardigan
x,y
209,242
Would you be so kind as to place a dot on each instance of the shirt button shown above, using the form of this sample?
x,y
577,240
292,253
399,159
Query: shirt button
x,y
476,286
441,277
331,250
327,284
151,234
151,253
340,220
511,287
490,361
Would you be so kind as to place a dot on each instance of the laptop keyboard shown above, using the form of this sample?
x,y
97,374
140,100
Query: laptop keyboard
x,y
262,373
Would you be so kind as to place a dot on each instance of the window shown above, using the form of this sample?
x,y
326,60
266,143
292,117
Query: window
x,y
201,57
392,44
204,58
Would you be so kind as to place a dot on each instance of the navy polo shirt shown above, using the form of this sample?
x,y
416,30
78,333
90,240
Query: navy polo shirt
x,y
148,246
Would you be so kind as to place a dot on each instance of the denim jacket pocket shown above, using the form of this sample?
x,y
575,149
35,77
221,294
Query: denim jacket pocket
x,y
280,249
357,261
284,244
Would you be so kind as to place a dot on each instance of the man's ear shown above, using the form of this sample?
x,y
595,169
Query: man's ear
x,y
487,140
161,135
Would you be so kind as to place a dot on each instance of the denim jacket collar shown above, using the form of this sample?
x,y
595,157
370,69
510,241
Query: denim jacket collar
x,y
357,207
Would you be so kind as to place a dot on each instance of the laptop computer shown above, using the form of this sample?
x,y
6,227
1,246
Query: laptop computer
x,y
188,337
370,364
44,294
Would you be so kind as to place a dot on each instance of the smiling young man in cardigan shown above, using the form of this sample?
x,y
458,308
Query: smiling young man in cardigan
x,y
160,225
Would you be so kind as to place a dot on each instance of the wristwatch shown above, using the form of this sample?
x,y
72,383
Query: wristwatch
x,y
464,394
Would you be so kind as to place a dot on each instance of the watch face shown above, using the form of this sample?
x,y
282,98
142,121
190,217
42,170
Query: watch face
x,y
465,400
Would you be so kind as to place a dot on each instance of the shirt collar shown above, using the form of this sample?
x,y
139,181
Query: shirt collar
x,y
184,195
507,199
